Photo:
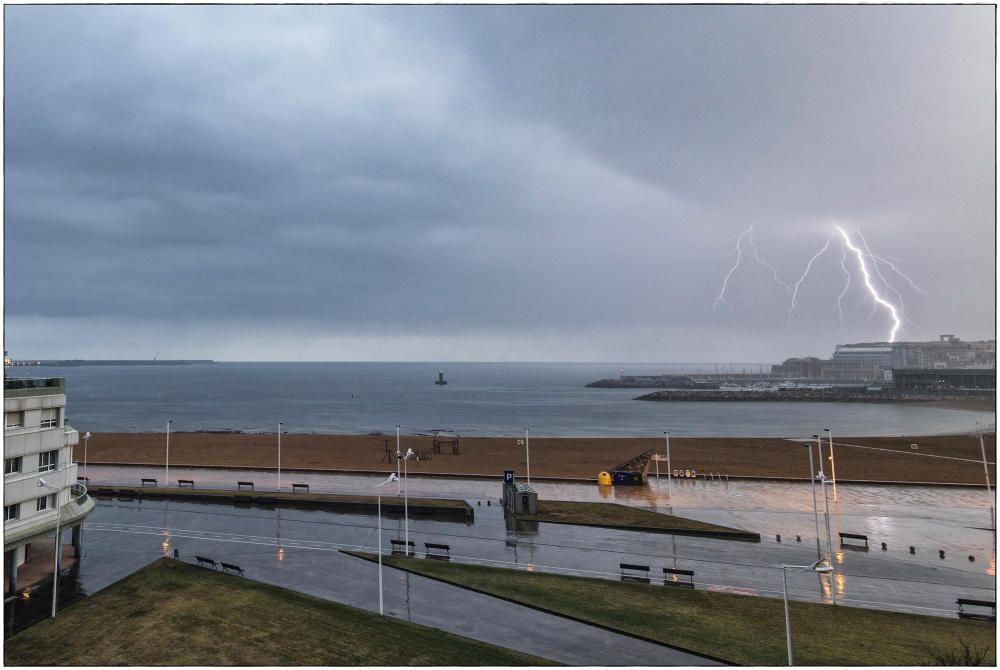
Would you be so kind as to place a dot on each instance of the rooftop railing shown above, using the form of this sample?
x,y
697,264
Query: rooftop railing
x,y
20,386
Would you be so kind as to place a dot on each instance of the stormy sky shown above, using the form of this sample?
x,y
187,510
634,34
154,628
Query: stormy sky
x,y
492,183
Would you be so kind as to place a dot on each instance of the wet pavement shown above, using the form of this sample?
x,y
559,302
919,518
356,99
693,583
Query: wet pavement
x,y
298,547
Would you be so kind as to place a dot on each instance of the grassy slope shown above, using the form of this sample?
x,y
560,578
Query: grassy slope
x,y
743,629
611,514
171,613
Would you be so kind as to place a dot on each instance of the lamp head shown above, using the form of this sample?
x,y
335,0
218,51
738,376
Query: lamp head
x,y
409,454
821,566
86,435
41,482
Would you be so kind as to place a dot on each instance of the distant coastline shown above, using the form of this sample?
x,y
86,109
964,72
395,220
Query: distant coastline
x,y
77,363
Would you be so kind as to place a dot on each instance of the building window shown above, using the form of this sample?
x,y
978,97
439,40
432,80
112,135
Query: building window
x,y
48,460
50,417
12,465
45,502
10,512
14,419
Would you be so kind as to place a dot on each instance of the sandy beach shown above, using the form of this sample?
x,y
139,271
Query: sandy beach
x,y
873,459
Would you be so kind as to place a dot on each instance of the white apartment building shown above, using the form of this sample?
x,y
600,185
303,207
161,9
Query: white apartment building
x,y
39,472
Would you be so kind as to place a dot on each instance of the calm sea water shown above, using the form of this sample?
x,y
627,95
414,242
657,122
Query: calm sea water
x,y
480,399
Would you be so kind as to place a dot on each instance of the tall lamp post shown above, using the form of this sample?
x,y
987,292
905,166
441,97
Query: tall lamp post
x,y
986,469
406,503
399,457
279,455
815,567
86,438
833,463
166,474
392,478
812,481
527,456
670,473
58,553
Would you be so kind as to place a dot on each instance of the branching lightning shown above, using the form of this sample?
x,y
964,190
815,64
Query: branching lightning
x,y
868,263
805,273
871,289
847,283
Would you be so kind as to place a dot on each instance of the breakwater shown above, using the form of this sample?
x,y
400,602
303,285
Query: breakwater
x,y
801,395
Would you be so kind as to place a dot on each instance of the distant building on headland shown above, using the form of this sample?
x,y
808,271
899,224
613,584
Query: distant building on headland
x,y
873,362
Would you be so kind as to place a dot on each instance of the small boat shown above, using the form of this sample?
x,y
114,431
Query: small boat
x,y
441,381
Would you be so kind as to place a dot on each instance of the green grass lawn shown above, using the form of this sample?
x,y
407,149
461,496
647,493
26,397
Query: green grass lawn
x,y
172,613
611,515
742,629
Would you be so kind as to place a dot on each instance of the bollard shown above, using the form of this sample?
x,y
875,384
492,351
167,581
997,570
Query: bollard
x,y
487,503
798,538
177,555
778,538
912,550
941,553
971,559
479,503
884,547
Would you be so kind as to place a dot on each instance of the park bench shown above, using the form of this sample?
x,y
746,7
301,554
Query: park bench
x,y
300,487
201,560
241,485
687,583
83,479
399,547
967,602
853,536
145,481
634,573
181,483
230,566
430,546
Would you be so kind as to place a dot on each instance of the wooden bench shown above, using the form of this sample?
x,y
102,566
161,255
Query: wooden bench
x,y
967,602
399,547
429,546
687,583
181,483
634,573
83,479
241,485
145,481
299,487
853,536
201,560
230,566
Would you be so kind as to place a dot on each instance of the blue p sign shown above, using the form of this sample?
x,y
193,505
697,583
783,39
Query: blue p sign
x,y
508,476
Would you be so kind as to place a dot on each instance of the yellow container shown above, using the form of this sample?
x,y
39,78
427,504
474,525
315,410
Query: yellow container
x,y
603,479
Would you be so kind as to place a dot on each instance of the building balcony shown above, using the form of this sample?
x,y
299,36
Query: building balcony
x,y
70,514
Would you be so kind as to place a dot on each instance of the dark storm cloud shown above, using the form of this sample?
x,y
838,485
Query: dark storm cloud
x,y
559,179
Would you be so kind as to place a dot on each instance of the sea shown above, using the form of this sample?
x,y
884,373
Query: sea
x,y
488,399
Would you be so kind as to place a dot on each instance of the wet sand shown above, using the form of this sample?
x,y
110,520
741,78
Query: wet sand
x,y
883,459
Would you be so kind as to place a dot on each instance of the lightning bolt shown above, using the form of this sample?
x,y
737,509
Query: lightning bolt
x,y
868,283
774,273
795,289
899,296
721,298
847,283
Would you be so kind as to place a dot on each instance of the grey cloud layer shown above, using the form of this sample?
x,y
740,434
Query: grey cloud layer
x,y
559,174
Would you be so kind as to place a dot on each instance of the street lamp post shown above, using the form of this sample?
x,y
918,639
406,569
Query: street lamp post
x,y
833,463
398,458
986,470
829,538
279,455
670,472
816,567
527,456
812,482
86,438
56,560
406,503
392,478
166,474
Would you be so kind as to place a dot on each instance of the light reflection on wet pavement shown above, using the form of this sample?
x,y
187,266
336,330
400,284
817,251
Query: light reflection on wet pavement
x,y
930,518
